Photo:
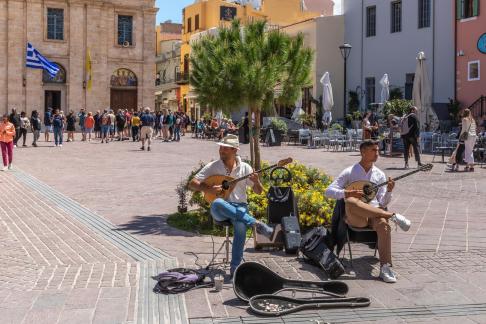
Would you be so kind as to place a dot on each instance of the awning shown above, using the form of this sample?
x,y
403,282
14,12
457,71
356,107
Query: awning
x,y
191,95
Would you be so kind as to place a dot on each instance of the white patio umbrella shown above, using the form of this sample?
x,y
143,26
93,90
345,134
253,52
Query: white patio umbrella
x,y
422,95
219,116
298,111
385,88
327,99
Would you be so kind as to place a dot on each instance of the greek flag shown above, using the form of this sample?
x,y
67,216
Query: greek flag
x,y
35,60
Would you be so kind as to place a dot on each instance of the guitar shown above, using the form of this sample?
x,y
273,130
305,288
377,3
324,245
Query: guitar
x,y
228,183
370,189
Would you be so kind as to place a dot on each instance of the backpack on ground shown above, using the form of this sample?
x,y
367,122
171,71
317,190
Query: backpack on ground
x,y
179,280
403,125
314,246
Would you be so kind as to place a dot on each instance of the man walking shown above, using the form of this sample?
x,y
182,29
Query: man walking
x,y
410,131
147,120
35,123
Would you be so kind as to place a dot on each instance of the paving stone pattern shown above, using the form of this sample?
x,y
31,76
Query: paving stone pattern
x,y
440,261
68,271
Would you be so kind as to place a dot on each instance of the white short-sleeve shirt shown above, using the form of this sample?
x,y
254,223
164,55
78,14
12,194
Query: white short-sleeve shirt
x,y
242,169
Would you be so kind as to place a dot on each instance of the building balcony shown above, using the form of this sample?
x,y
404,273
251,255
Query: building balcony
x,y
182,78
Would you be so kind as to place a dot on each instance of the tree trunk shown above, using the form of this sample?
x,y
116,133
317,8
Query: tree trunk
x,y
256,138
250,136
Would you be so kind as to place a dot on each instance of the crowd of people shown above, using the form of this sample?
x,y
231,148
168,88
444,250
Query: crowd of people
x,y
105,125
141,125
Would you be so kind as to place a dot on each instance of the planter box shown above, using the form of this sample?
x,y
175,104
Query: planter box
x,y
273,137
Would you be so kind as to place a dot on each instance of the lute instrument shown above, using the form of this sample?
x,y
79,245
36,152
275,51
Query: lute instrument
x,y
370,189
228,183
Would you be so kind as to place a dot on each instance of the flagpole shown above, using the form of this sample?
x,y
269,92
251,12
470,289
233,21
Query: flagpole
x,y
85,41
24,62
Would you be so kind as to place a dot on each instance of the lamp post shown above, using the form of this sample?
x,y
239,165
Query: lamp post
x,y
345,50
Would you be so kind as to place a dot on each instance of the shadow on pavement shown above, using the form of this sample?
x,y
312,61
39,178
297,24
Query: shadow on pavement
x,y
152,225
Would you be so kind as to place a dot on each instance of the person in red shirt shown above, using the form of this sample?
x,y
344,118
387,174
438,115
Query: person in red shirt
x,y
89,123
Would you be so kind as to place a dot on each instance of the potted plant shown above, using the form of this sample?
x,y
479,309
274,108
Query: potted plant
x,y
279,128
307,120
181,191
337,127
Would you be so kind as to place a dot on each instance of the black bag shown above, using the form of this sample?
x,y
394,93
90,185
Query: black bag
x,y
314,246
179,280
281,202
291,234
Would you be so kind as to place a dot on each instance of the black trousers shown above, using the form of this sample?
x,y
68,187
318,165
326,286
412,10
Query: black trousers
x,y
17,135
407,141
460,153
23,133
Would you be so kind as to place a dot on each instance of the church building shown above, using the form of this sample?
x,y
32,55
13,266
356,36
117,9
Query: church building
x,y
104,50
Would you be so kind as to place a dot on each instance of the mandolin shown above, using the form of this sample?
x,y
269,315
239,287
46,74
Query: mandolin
x,y
228,183
370,189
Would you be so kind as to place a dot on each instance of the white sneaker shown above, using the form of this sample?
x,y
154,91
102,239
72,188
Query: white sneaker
x,y
387,274
401,221
10,166
60,145
3,169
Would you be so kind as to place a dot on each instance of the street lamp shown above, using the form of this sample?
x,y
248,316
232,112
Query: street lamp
x,y
345,50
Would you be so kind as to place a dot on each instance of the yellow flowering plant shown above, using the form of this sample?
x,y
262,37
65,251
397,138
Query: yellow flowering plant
x,y
308,185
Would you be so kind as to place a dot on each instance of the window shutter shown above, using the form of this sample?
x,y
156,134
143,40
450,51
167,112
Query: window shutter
x,y
476,8
459,9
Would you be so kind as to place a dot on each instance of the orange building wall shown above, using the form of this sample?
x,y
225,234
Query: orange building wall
x,y
468,33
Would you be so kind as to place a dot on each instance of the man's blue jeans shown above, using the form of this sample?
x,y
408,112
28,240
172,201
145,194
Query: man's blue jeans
x,y
58,135
237,213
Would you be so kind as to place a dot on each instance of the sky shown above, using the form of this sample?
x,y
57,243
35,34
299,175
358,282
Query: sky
x,y
172,9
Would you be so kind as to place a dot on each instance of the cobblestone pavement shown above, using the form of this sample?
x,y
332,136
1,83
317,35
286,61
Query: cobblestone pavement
x,y
440,261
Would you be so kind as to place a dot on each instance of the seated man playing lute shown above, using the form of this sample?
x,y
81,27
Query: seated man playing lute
x,y
374,215
235,208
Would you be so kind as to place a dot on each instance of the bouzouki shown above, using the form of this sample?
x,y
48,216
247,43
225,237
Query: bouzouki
x,y
228,183
370,189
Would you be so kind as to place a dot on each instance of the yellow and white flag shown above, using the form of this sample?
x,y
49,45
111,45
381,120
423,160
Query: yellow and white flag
x,y
89,71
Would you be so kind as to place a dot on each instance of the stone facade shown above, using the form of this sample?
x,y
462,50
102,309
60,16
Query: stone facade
x,y
88,25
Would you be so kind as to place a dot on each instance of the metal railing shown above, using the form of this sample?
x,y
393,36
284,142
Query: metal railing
x,y
478,108
182,78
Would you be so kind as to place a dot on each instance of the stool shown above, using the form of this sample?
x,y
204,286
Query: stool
x,y
226,243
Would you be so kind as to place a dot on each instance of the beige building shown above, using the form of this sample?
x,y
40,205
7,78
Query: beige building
x,y
167,92
324,35
119,34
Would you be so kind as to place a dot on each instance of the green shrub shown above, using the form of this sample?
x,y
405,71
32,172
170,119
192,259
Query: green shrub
x,y
337,127
397,107
308,185
279,125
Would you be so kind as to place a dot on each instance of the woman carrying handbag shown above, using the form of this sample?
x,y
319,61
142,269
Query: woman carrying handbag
x,y
468,135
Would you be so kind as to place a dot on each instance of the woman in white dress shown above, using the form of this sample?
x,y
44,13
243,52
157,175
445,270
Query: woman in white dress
x,y
469,128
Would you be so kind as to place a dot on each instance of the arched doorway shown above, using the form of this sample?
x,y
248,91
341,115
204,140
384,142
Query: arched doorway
x,y
54,89
123,93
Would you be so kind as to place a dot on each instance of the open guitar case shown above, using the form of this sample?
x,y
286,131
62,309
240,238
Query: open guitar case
x,y
269,294
282,214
